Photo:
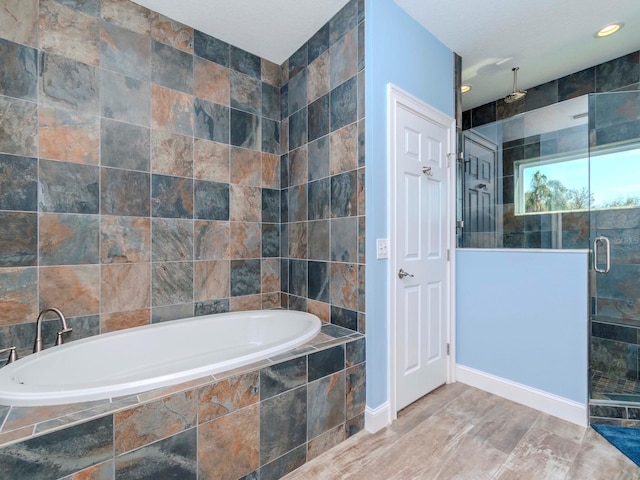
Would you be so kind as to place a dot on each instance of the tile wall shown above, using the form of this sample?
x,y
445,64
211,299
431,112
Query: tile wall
x,y
141,175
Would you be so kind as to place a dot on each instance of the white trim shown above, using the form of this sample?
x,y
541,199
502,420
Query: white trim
x,y
526,250
397,96
376,419
560,407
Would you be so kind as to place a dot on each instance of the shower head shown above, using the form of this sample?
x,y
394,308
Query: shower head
x,y
516,94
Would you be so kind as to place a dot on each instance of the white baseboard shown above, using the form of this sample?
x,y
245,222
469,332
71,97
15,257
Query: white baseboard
x,y
531,397
376,418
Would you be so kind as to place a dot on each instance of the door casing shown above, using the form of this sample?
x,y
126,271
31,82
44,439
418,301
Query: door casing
x,y
397,96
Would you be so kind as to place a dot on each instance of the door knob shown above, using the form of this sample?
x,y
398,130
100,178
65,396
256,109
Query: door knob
x,y
402,274
427,171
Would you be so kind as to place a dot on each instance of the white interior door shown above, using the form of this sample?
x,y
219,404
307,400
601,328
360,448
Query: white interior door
x,y
420,243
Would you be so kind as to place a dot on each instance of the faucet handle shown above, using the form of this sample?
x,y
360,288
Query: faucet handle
x,y
13,355
59,338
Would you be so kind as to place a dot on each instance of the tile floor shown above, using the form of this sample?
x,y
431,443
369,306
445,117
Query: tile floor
x,y
459,432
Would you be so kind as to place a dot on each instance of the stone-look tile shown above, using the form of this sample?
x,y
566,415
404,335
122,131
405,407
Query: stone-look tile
x,y
111,322
19,75
211,240
102,471
618,73
171,312
343,21
362,210
270,240
211,81
298,166
211,280
298,129
227,396
69,32
326,362
246,130
125,98
18,183
270,101
173,457
245,203
270,136
318,77
298,277
320,199
125,52
271,301
319,158
577,84
362,255
344,58
245,240
69,136
125,240
297,303
344,195
319,281
318,43
171,68
355,352
284,138
18,239
229,446
355,390
298,204
124,146
127,15
172,240
298,240
270,205
19,21
283,423
246,93
361,47
210,161
324,442
75,289
90,7
245,62
284,465
68,188
298,61
65,83
270,275
320,310
60,453
18,127
116,188
344,149
344,104
318,121
172,111
172,33
171,197
171,154
210,48
211,121
297,92
319,248
171,283
245,277
270,171
68,239
362,288
326,404
246,167
344,241
18,295
246,303
147,423
344,285
211,307
271,73
211,200
125,287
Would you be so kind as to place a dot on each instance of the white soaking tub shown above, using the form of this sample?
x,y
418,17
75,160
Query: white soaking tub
x,y
143,358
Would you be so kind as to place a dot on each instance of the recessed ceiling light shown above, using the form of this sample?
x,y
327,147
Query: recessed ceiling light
x,y
465,88
608,30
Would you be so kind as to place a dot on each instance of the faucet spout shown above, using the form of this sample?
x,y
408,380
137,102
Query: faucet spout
x,y
37,344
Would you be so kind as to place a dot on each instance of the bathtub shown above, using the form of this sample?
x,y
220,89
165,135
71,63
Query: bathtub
x,y
143,358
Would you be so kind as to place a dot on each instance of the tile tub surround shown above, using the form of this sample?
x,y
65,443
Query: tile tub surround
x,y
150,172
262,420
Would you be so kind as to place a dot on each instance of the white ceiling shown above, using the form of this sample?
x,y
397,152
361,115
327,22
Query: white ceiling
x,y
547,39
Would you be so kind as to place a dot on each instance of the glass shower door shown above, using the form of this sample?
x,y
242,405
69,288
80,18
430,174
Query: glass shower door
x,y
614,176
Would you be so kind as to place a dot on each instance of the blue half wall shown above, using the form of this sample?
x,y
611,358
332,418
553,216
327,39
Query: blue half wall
x,y
523,316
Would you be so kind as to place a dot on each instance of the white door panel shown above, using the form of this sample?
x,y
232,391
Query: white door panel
x,y
420,249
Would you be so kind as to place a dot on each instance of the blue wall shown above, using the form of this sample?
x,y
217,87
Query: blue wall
x,y
398,51
523,316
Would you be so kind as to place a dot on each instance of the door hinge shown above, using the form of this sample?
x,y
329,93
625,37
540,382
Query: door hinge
x,y
448,349
448,254
449,159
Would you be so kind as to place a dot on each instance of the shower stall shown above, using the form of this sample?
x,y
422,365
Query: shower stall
x,y
567,176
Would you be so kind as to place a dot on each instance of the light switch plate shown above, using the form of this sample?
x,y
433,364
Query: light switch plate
x,y
382,248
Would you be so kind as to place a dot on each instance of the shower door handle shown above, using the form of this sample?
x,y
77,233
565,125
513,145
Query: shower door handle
x,y
607,251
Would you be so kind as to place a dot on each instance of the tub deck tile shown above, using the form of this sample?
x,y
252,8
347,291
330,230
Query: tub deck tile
x,y
165,391
240,370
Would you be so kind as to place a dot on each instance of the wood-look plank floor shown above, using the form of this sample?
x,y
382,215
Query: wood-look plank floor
x,y
459,432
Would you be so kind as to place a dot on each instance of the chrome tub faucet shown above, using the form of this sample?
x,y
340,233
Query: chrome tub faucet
x,y
37,344
13,356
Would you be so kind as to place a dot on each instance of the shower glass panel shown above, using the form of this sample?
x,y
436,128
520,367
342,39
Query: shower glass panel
x,y
525,180
614,124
